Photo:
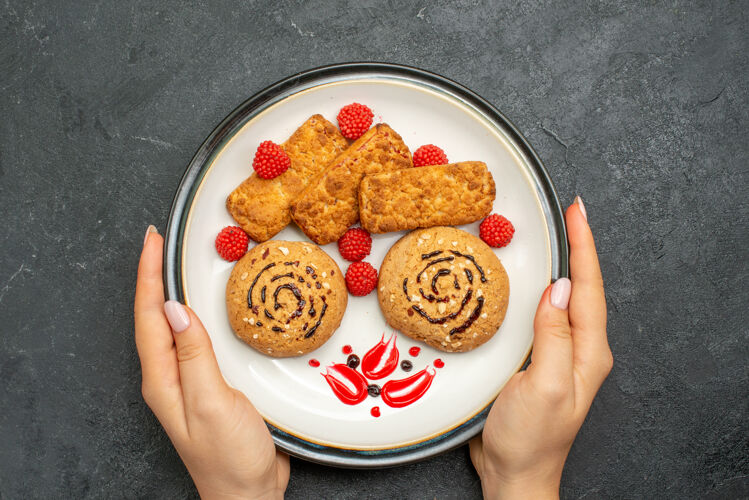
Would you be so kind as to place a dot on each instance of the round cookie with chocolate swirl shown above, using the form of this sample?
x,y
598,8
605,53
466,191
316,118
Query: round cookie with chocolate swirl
x,y
445,287
285,298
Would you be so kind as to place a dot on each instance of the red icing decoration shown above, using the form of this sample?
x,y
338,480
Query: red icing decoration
x,y
347,349
438,363
414,351
375,411
381,360
314,363
349,385
403,392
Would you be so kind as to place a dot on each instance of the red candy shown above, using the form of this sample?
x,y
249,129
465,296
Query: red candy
x,y
429,154
361,278
270,160
354,119
496,231
231,243
355,244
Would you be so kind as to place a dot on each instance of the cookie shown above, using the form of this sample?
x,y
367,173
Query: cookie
x,y
440,195
330,205
445,287
285,298
261,206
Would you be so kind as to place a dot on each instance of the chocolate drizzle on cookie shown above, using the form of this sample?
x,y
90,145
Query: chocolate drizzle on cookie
x,y
435,261
279,276
287,281
249,293
450,316
322,313
440,298
474,315
472,259
429,255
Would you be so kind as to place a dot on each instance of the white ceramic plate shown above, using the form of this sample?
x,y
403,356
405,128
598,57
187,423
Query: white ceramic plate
x,y
304,415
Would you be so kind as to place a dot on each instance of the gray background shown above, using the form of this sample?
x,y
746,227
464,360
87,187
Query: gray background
x,y
640,107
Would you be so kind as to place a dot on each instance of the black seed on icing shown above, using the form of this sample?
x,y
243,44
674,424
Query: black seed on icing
x,y
277,329
406,365
352,361
259,324
373,390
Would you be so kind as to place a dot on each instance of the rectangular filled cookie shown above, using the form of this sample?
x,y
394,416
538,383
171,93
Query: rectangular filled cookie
x,y
440,195
261,206
330,204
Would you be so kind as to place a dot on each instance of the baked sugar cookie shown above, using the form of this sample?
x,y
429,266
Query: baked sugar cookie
x,y
445,287
285,298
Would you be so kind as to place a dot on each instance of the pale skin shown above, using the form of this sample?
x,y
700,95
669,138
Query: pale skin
x,y
228,450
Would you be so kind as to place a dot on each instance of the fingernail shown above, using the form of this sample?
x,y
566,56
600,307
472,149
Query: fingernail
x,y
177,315
580,205
560,293
151,229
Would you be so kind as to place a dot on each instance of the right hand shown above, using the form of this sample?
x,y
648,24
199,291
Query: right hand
x,y
535,419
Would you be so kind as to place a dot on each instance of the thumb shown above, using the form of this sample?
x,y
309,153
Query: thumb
x,y
199,374
552,342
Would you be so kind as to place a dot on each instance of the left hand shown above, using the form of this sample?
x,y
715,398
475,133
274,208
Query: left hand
x,y
219,435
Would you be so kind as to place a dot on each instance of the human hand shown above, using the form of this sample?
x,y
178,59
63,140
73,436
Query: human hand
x,y
535,419
219,435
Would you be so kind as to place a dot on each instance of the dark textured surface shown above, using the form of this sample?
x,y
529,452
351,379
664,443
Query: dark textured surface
x,y
641,108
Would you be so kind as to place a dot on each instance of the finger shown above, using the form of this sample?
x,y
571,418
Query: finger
x,y
587,309
203,386
551,361
153,336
